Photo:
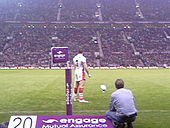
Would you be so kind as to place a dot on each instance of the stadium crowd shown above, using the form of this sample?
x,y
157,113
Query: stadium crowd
x,y
152,44
155,10
29,44
84,10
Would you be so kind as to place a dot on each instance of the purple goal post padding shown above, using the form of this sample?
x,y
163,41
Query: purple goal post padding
x,y
69,92
61,55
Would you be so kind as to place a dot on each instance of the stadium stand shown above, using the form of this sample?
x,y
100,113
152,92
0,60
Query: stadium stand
x,y
152,44
28,29
86,10
30,45
155,10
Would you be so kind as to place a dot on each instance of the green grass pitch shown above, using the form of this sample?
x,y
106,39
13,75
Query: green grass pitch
x,y
42,92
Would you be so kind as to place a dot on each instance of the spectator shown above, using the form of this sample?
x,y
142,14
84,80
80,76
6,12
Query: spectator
x,y
122,106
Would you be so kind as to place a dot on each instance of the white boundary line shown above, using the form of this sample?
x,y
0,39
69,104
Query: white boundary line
x,y
83,111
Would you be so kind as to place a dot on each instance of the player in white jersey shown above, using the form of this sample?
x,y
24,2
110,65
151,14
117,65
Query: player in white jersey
x,y
81,69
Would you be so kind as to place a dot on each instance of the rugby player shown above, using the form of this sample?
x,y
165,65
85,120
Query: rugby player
x,y
81,68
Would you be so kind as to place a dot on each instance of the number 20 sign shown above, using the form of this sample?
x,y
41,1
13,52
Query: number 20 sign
x,y
22,122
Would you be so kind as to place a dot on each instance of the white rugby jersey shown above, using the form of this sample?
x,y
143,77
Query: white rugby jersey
x,y
79,60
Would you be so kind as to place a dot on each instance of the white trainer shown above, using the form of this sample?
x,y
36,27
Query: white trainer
x,y
75,99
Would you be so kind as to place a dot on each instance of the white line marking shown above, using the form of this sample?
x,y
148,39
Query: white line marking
x,y
82,111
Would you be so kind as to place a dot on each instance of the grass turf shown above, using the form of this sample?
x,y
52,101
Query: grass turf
x,y
42,92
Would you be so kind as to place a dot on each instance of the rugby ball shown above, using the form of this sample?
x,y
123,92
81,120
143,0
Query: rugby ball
x,y
103,87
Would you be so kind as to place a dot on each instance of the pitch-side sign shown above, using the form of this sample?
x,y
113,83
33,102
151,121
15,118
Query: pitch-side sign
x,y
60,54
60,122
